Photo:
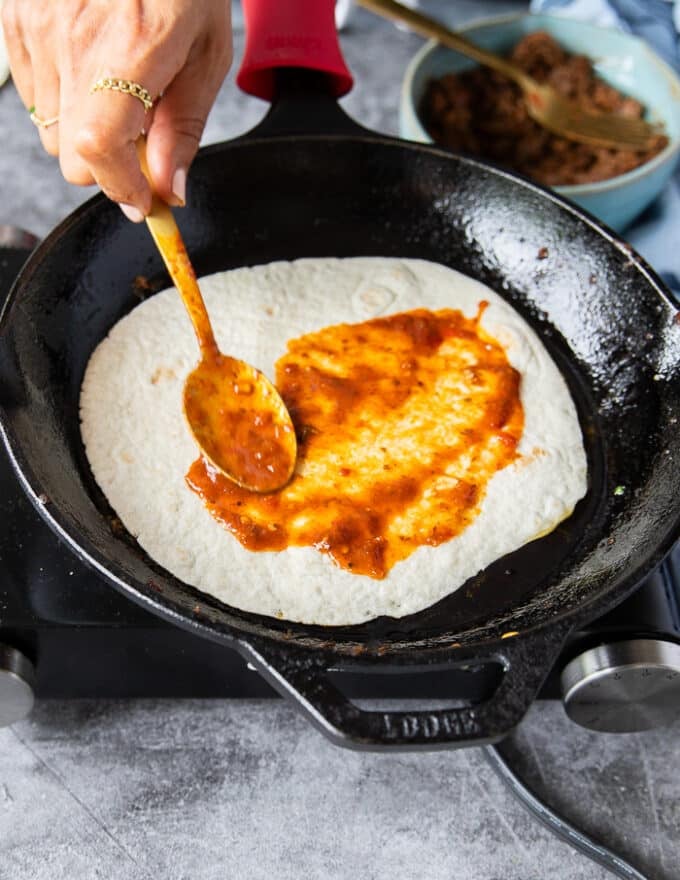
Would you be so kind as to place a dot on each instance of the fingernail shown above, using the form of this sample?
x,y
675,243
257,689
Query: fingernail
x,y
132,213
179,186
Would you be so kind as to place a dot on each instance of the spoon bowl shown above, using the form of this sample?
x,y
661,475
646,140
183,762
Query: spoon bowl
x,y
241,423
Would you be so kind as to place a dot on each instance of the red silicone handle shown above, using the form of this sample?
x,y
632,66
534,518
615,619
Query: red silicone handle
x,y
290,33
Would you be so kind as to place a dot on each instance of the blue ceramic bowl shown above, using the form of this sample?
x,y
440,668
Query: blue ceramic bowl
x,y
622,60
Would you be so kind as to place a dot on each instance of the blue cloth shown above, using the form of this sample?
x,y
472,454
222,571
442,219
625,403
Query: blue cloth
x,y
656,233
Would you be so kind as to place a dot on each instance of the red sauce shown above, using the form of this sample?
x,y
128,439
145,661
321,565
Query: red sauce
x,y
401,422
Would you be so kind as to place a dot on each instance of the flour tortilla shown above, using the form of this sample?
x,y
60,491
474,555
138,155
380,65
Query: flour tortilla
x,y
140,449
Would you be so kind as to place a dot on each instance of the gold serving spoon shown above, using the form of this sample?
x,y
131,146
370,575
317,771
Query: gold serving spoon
x,y
236,415
543,103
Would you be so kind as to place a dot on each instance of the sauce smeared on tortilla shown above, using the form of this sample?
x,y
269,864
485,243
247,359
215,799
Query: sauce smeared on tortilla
x,y
401,421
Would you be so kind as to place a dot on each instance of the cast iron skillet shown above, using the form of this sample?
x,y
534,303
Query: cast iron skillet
x,y
310,182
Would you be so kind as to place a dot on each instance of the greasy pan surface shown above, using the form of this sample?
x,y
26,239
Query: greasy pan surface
x,y
600,311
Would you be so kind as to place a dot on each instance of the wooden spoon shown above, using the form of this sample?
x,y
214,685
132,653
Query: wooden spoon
x,y
236,415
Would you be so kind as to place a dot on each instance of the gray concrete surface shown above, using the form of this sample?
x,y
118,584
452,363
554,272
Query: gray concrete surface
x,y
201,790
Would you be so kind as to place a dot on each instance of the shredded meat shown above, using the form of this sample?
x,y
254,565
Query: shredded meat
x,y
482,113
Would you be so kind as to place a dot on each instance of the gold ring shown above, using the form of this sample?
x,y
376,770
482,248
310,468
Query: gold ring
x,y
41,123
126,86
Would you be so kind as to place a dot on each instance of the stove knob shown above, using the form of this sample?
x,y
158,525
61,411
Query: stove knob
x,y
622,687
16,685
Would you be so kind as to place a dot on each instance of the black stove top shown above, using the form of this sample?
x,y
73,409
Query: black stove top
x,y
84,639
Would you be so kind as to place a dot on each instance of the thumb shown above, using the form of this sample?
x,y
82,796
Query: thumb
x,y
175,131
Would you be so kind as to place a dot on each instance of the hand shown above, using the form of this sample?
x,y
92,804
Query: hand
x,y
177,49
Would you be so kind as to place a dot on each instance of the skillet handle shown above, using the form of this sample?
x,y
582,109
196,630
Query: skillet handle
x,y
303,676
290,33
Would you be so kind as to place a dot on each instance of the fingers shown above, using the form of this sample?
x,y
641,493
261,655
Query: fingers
x,y
98,138
46,101
17,53
37,83
179,119
99,130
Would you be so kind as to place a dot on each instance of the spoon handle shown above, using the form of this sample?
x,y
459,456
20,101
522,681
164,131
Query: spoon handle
x,y
168,238
427,27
